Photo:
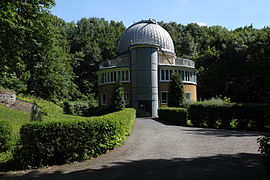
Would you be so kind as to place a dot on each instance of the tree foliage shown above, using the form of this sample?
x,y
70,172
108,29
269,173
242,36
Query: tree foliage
x,y
118,98
176,95
47,57
92,41
231,63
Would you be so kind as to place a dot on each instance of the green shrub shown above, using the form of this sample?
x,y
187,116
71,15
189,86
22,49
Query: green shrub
x,y
62,141
81,108
264,145
176,96
118,98
227,115
5,135
173,114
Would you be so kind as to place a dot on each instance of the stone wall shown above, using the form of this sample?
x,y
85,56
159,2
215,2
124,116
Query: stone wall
x,y
7,97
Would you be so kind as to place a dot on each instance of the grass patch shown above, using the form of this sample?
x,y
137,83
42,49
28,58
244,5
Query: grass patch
x,y
46,106
62,117
16,119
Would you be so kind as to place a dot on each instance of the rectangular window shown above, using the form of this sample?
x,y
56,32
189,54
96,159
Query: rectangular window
x,y
119,76
103,99
170,75
111,77
164,97
188,96
114,76
127,98
102,78
193,77
122,75
166,74
179,72
162,75
186,76
126,79
183,75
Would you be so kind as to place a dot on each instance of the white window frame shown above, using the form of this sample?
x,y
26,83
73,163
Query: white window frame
x,y
162,96
188,92
102,102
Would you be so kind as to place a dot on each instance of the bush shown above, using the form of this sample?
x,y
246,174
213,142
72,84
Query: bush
x,y
81,108
5,135
264,145
118,98
58,142
223,115
173,114
176,96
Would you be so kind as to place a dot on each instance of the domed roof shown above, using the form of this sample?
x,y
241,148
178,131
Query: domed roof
x,y
146,32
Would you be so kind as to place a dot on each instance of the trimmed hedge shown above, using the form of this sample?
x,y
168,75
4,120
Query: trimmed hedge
x,y
58,142
173,114
5,135
240,116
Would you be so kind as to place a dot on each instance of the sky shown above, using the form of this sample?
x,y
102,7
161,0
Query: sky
x,y
228,13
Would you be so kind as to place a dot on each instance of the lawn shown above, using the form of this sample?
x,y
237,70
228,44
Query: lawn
x,y
16,118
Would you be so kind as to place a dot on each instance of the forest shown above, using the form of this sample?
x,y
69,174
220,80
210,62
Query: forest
x,y
44,56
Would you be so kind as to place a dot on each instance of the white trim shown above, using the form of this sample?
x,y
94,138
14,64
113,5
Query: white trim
x,y
189,77
123,76
188,92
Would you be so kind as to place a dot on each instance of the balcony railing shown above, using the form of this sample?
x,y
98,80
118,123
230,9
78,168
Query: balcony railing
x,y
124,62
113,63
184,62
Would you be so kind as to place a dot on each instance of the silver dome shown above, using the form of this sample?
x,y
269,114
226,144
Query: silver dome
x,y
146,33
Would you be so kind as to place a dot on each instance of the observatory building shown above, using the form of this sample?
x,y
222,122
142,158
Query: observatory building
x,y
144,66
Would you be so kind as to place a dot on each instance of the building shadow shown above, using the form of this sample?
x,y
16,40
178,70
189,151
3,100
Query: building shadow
x,y
214,132
164,122
224,132
222,167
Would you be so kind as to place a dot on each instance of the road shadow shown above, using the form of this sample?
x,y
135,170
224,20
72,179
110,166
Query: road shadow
x,y
223,132
214,132
164,122
222,167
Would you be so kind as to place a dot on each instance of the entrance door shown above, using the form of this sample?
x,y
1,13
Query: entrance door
x,y
144,108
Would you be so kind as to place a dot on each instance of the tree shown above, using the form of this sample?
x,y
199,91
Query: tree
x,y
48,61
176,96
17,19
92,41
118,98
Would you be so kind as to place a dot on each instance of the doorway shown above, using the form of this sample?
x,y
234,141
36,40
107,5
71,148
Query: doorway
x,y
144,108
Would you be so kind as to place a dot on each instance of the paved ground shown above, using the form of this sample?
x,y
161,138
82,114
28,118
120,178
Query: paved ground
x,y
157,150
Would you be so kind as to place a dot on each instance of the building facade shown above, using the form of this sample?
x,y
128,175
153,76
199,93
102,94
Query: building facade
x,y
144,66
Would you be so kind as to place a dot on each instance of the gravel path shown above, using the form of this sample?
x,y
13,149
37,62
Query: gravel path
x,y
157,150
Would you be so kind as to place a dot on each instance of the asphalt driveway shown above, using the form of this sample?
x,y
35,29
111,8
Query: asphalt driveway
x,y
157,150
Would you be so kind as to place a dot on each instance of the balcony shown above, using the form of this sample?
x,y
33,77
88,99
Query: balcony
x,y
178,62
125,62
114,63
184,62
